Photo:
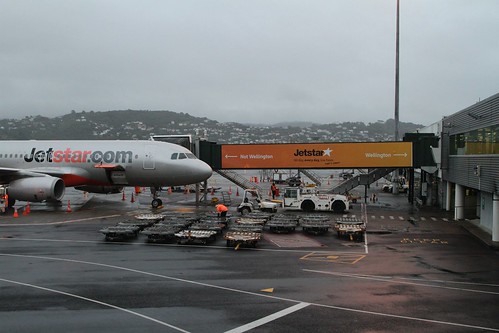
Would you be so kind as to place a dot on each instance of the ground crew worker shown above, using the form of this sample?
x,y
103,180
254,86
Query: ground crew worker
x,y
274,190
221,210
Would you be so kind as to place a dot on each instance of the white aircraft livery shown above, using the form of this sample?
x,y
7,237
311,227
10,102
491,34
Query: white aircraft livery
x,y
39,171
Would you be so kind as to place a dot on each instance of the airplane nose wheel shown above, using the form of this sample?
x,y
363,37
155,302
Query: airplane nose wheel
x,y
156,203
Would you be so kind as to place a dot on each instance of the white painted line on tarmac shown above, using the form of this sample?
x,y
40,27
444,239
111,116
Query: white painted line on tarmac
x,y
94,301
260,294
269,318
59,222
414,282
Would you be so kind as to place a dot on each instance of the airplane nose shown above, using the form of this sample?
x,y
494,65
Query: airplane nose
x,y
203,170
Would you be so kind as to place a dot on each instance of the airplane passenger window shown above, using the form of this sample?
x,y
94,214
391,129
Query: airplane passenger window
x,y
181,156
174,156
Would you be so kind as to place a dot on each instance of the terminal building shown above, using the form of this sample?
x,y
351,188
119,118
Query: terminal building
x,y
466,180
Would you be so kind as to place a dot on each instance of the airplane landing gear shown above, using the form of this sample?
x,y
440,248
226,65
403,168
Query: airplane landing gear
x,y
156,202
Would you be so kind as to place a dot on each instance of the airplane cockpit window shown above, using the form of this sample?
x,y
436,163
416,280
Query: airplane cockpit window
x,y
174,156
191,156
181,156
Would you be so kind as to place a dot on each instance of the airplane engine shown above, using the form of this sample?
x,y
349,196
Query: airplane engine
x,y
100,189
37,189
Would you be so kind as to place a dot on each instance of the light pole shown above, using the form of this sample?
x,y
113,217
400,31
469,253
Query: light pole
x,y
397,76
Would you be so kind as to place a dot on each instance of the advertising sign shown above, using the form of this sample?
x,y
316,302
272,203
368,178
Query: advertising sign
x,y
317,155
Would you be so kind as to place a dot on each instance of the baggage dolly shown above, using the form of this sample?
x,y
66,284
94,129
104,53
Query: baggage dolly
x,y
242,238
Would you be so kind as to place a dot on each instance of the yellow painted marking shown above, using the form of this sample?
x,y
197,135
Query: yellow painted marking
x,y
268,290
338,258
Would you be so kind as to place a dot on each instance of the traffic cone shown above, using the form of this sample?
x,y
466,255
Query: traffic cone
x,y
123,196
69,210
15,212
132,200
28,209
237,192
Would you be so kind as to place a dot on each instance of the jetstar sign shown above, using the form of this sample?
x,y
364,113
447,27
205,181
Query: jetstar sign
x,y
317,156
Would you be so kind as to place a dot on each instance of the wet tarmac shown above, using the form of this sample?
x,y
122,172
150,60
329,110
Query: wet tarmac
x,y
415,270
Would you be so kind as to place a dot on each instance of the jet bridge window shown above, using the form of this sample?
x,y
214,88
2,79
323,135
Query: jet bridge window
x,y
174,156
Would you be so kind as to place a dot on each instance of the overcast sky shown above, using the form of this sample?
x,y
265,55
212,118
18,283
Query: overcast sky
x,y
260,61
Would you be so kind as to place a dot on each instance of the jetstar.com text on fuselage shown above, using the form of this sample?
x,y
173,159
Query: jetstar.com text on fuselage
x,y
78,156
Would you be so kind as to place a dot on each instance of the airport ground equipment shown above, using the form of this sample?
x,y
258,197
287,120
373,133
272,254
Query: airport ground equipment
x,y
315,224
120,232
242,238
195,236
239,180
162,233
361,179
309,199
350,228
3,197
172,223
252,201
282,224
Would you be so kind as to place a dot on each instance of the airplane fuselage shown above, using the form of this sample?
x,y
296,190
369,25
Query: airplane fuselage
x,y
127,163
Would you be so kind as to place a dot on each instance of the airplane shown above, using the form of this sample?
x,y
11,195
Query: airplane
x,y
40,171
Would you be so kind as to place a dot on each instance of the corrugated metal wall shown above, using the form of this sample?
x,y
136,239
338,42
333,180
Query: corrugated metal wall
x,y
461,169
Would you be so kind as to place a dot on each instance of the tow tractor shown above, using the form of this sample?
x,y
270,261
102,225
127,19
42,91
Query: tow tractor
x,y
309,199
252,201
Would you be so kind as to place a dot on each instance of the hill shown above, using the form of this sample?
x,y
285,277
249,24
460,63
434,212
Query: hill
x,y
141,124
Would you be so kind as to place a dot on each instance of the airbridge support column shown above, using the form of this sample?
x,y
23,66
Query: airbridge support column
x,y
459,203
495,218
448,197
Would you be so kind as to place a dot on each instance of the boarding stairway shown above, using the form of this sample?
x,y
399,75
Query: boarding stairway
x,y
312,176
240,180
361,179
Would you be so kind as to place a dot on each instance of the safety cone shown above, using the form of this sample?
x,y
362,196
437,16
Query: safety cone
x,y
28,208
69,210
132,200
237,192
16,214
123,196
